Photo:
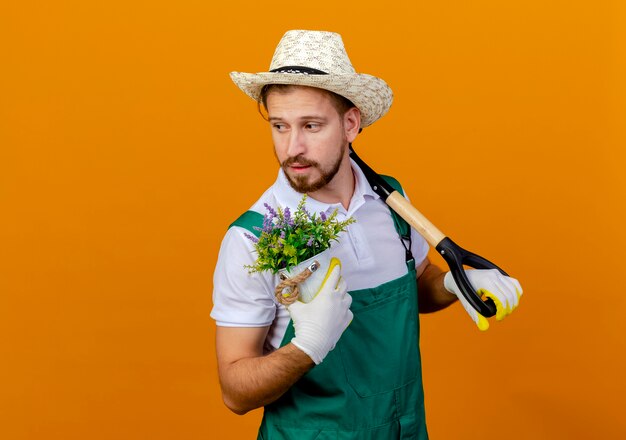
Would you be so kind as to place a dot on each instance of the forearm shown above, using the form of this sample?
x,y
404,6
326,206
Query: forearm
x,y
254,382
432,295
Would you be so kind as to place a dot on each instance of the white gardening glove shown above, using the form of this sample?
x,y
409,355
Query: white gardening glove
x,y
320,323
504,291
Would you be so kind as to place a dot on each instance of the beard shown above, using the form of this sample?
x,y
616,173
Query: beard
x,y
305,184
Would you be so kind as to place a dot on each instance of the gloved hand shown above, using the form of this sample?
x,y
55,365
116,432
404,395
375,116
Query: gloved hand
x,y
320,323
505,292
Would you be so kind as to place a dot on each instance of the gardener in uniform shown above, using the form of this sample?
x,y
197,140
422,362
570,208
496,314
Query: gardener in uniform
x,y
347,364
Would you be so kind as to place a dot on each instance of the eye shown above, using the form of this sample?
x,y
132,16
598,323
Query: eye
x,y
312,126
278,127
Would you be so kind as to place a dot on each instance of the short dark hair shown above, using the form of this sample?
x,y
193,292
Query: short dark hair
x,y
341,104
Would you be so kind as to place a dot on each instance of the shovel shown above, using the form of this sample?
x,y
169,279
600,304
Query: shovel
x,y
454,254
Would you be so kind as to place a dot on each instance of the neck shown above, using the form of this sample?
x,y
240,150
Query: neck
x,y
341,188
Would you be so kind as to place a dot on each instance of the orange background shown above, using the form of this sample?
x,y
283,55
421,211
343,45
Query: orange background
x,y
125,151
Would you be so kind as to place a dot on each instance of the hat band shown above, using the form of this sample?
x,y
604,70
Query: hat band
x,y
298,69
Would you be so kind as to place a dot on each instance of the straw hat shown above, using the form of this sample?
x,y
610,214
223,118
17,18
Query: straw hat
x,y
319,59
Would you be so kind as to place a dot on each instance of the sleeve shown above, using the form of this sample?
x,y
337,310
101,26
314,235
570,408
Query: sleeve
x,y
241,299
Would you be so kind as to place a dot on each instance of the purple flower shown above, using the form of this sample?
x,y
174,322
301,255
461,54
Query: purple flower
x,y
310,242
323,216
288,219
282,234
271,210
268,224
251,237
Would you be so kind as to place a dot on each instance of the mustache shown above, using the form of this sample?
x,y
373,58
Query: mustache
x,y
300,160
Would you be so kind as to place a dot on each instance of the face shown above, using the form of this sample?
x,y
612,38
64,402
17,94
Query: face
x,y
310,138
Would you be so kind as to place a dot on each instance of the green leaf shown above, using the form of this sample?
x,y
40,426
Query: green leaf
x,y
289,250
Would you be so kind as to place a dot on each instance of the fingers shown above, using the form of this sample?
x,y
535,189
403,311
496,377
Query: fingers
x,y
346,298
342,287
332,277
518,288
450,285
502,310
480,321
512,292
505,293
503,290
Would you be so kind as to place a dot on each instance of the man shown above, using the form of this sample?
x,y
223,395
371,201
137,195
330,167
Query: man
x,y
346,364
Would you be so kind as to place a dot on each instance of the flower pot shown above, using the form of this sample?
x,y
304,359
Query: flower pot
x,y
318,264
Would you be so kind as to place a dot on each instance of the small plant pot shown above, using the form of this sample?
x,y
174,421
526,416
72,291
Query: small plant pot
x,y
318,264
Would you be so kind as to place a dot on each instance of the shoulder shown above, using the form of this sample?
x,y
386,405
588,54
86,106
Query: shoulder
x,y
254,215
395,184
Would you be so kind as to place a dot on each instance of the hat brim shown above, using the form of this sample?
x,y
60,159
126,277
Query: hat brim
x,y
371,95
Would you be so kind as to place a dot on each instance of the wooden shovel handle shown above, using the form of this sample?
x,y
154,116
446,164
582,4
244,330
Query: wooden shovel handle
x,y
455,256
415,218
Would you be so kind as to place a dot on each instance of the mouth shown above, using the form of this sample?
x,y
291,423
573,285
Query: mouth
x,y
299,168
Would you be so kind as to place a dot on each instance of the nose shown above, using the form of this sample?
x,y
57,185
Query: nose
x,y
296,143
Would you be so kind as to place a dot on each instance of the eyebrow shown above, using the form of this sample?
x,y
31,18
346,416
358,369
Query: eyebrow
x,y
302,118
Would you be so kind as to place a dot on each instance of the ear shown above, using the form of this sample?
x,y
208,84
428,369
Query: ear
x,y
352,123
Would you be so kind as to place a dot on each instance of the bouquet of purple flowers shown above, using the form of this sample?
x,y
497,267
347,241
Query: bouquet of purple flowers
x,y
288,239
